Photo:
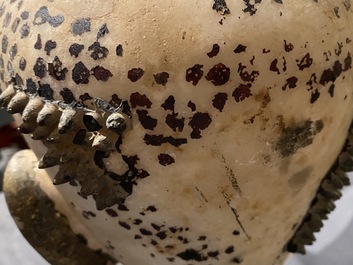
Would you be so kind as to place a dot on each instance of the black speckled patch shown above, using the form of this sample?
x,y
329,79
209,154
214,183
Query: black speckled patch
x,y
191,254
125,225
13,51
220,6
229,250
49,45
98,51
85,97
111,212
24,15
38,45
22,64
103,30
158,140
7,20
119,50
67,95
45,92
24,31
4,43
40,68
15,24
75,49
251,8
31,87
42,16
81,26
56,69
80,73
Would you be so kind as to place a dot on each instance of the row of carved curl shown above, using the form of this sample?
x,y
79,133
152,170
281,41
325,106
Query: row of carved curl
x,y
77,140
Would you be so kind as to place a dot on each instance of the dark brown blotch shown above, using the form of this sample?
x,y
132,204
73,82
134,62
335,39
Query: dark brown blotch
x,y
291,83
137,99
218,74
194,74
85,97
135,74
214,52
169,103
288,47
146,120
158,140
192,254
240,48
165,159
242,92
101,74
219,101
125,225
119,50
200,121
176,124
245,76
161,78
305,62
145,232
